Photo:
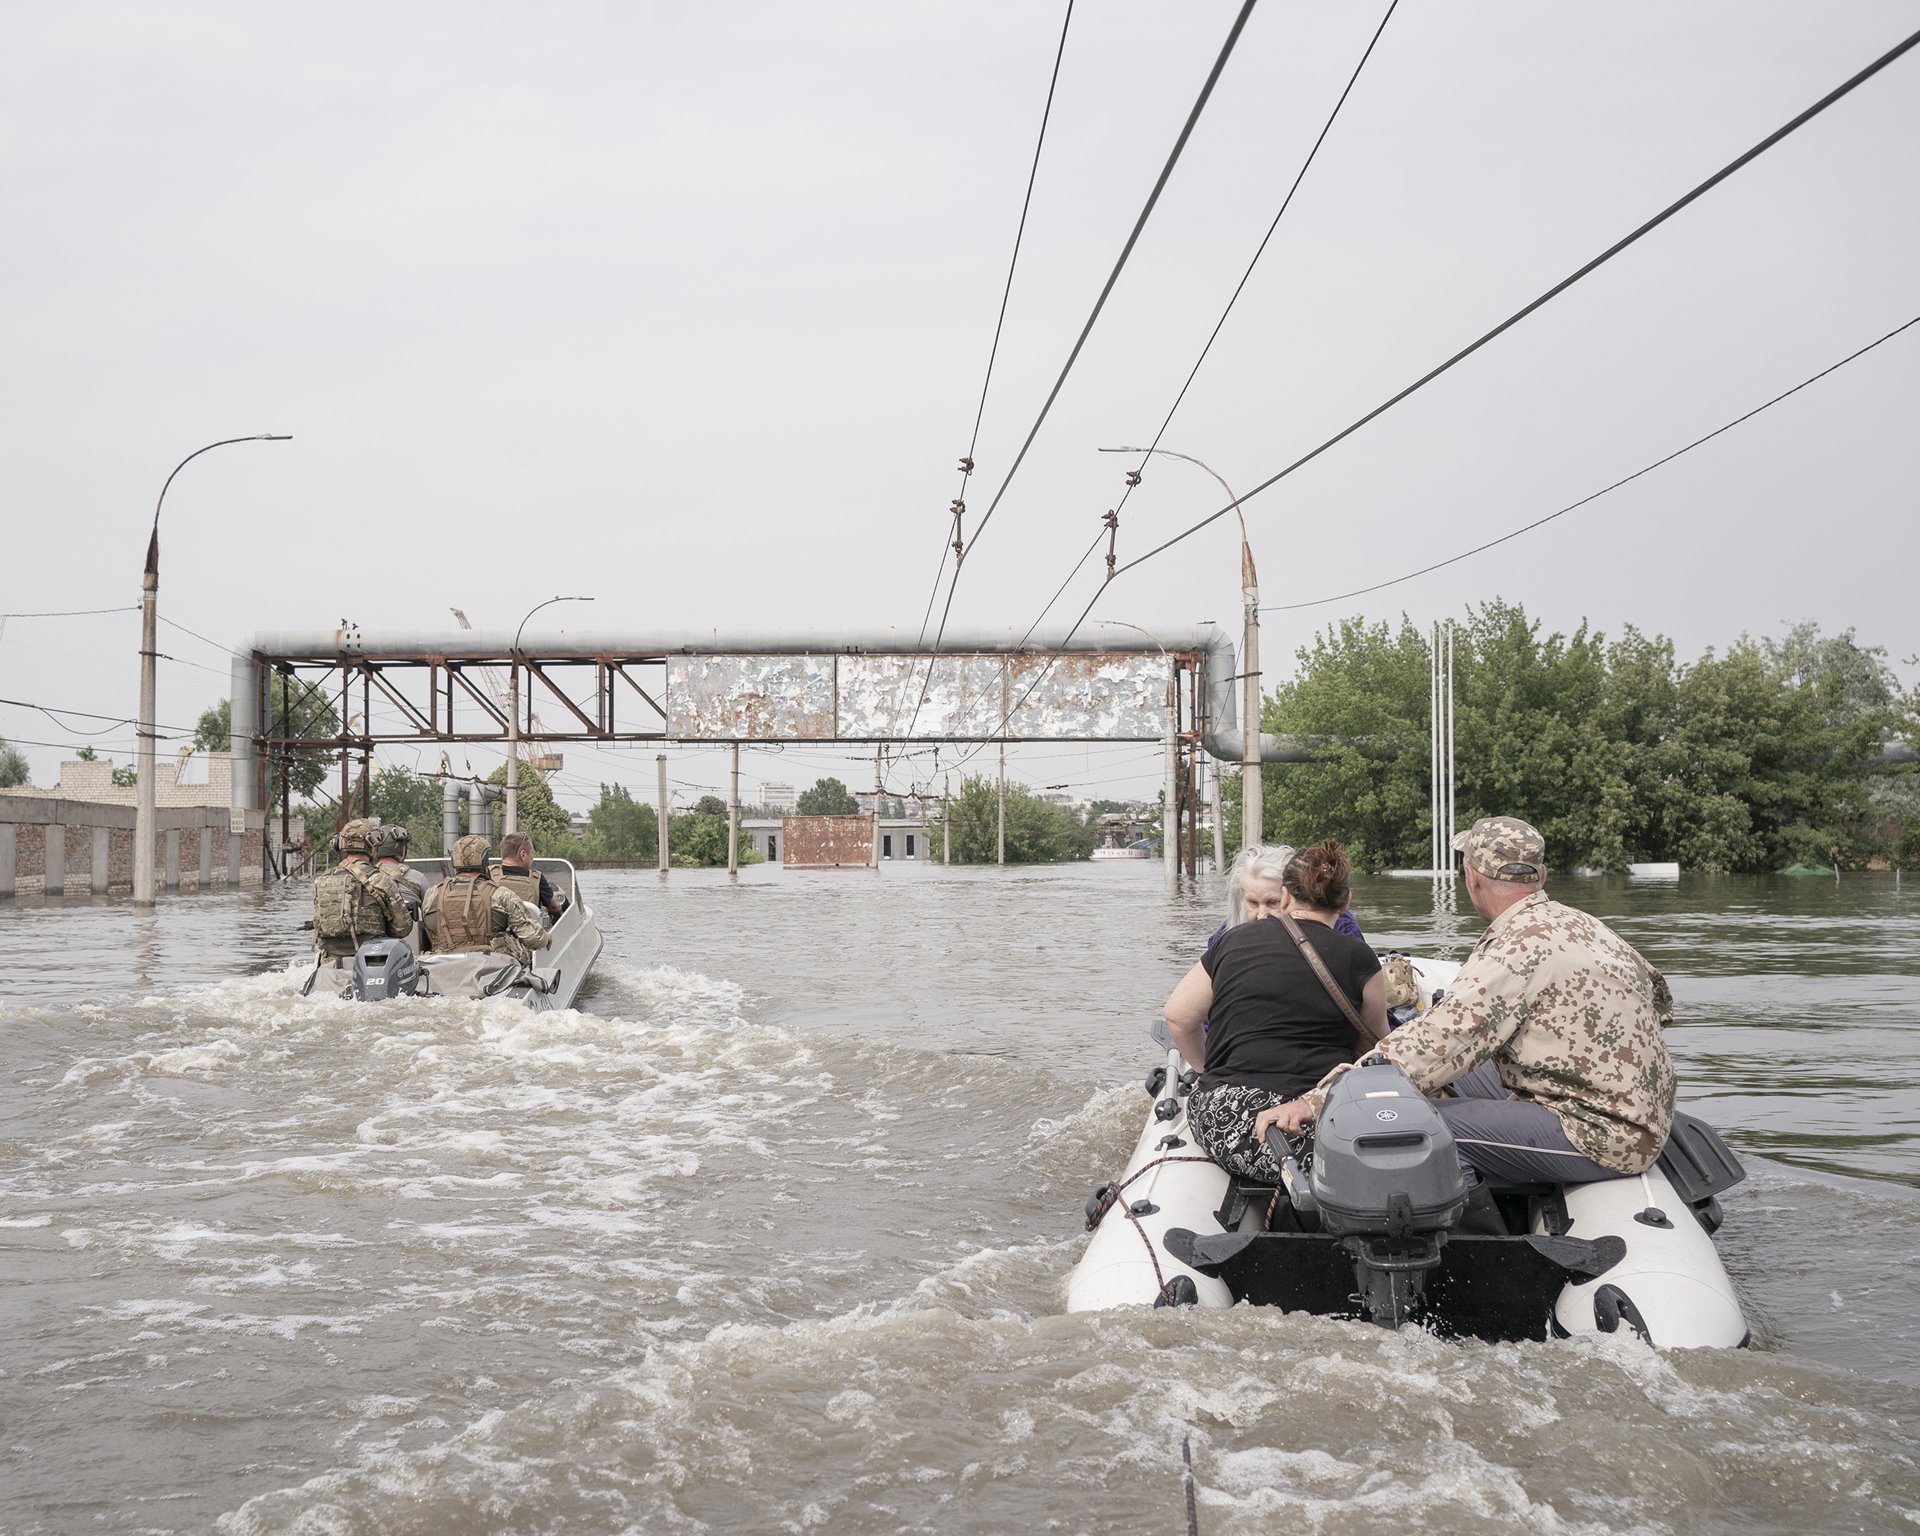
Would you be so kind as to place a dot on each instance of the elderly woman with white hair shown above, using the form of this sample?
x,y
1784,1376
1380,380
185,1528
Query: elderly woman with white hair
x,y
1254,882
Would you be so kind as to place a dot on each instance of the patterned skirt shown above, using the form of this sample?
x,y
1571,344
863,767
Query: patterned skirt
x,y
1222,1122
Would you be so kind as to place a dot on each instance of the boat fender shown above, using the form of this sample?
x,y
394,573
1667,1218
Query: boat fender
x,y
1612,1306
1099,1203
1180,1291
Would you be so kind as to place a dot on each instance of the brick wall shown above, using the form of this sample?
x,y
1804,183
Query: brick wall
x,y
32,825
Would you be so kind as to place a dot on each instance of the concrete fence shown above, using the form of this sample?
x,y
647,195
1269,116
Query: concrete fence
x,y
55,847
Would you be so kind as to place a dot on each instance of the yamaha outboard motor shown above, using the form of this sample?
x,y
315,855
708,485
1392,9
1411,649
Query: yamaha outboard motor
x,y
384,968
1387,1182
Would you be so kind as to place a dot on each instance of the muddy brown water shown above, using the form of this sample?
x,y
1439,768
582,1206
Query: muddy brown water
x,y
771,1234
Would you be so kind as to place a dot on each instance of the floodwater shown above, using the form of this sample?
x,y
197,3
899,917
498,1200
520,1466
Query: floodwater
x,y
771,1235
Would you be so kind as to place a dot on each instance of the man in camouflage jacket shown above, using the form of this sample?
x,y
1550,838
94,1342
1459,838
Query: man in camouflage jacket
x,y
1565,1013
354,902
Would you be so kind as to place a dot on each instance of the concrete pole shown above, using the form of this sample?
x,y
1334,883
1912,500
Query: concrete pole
x,y
1003,803
144,817
660,761
513,745
1219,828
733,817
946,822
1170,794
1252,805
876,805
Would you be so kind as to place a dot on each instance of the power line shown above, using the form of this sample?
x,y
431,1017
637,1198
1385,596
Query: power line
x,y
1139,224
71,613
53,714
1552,293
966,464
1306,165
1111,522
1595,496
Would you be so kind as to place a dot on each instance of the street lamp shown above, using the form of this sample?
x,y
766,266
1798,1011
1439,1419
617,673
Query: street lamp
x,y
143,795
1252,822
513,722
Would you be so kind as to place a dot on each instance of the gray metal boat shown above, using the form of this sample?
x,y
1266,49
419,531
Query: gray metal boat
x,y
387,968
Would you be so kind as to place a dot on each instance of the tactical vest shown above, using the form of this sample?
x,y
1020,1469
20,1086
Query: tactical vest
x,y
460,917
526,887
343,913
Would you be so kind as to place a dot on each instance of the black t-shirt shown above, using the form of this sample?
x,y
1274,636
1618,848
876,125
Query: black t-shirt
x,y
1272,1023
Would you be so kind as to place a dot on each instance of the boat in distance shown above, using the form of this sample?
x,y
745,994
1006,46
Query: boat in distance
x,y
1367,1225
390,968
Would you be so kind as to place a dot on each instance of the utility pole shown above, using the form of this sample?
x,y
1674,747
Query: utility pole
x,y
946,822
876,805
1252,822
1003,801
733,817
513,711
660,761
145,813
1170,794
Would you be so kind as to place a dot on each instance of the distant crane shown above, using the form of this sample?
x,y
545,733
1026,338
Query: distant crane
x,y
547,762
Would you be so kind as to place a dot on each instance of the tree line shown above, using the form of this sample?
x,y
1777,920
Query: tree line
x,y
1757,757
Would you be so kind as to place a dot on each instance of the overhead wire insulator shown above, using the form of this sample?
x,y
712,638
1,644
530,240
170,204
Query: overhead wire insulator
x,y
1112,521
966,465
1133,478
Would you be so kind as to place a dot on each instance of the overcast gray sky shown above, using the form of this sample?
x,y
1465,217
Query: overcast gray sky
x,y
686,307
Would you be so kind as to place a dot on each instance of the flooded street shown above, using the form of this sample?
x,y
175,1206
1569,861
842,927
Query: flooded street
x,y
772,1234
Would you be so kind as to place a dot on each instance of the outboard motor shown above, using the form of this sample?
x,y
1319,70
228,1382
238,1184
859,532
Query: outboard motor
x,y
1387,1182
384,968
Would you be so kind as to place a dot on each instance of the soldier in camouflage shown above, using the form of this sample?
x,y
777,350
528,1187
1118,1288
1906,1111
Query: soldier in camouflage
x,y
467,913
354,902
1565,1014
393,844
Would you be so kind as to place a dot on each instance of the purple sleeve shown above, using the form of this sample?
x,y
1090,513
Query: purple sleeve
x,y
1346,923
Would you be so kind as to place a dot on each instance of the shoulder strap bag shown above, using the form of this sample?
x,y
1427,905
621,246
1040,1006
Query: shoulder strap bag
x,y
1368,1039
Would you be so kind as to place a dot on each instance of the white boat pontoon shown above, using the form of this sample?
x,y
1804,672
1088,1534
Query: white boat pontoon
x,y
1364,1226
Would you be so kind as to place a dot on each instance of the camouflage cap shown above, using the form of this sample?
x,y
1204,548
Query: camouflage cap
x,y
356,836
471,851
1504,848
393,841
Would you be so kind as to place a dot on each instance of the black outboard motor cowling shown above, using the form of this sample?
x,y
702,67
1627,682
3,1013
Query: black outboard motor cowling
x,y
384,968
1387,1181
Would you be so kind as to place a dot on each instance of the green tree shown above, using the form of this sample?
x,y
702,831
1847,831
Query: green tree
x,y
213,732
710,805
1361,694
827,797
540,816
1038,831
621,828
404,798
295,709
13,765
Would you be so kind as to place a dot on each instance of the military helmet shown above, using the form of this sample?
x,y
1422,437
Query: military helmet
x,y
394,841
471,851
355,837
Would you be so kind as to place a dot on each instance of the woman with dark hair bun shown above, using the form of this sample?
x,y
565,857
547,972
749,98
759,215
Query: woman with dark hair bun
x,y
1254,1016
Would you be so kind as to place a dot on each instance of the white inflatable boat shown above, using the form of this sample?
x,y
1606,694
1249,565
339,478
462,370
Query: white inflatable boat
x,y
1367,1226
